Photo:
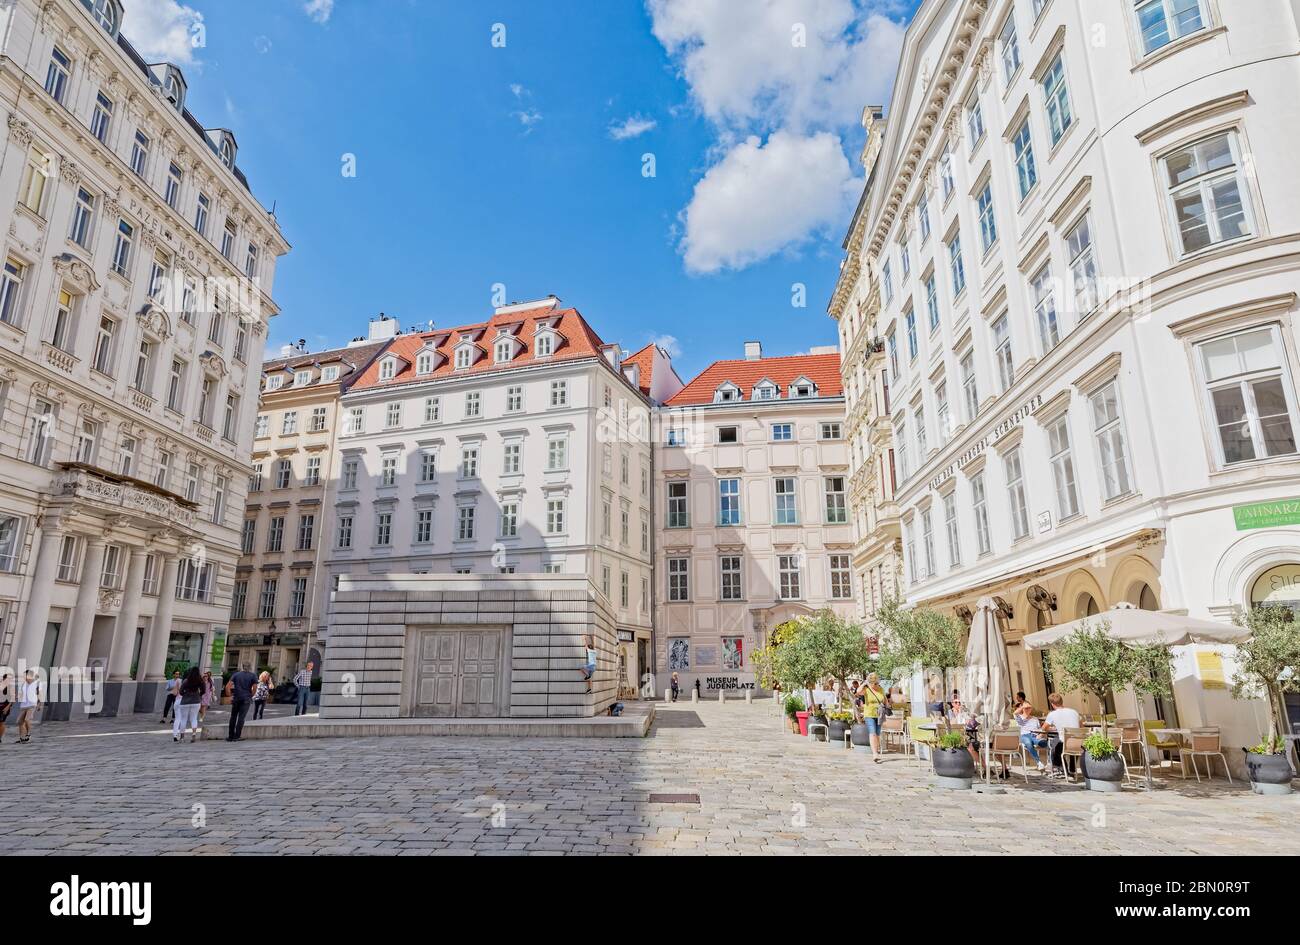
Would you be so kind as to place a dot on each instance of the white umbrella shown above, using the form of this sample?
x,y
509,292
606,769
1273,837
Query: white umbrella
x,y
1130,624
987,670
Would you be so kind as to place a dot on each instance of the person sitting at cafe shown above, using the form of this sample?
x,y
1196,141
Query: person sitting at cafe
x,y
970,723
1058,720
1030,730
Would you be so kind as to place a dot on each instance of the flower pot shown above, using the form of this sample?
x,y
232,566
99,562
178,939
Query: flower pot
x,y
1103,774
954,768
858,735
835,730
1269,774
802,718
792,724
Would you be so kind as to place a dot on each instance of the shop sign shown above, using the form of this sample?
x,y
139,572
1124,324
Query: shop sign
x,y
1266,514
247,639
626,636
218,646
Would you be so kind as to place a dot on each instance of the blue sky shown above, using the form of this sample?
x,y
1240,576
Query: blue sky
x,y
523,164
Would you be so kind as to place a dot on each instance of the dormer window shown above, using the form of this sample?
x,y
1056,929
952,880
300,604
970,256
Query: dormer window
x,y
387,369
107,13
227,153
726,393
544,341
424,363
463,358
330,373
802,387
765,390
302,378
274,381
505,350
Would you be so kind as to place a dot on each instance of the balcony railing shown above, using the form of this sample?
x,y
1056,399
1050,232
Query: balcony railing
x,y
123,494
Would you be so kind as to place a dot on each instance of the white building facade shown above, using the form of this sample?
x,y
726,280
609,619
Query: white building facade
x,y
133,312
1084,223
515,446
753,523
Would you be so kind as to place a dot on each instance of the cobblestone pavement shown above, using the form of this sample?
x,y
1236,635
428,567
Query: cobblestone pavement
x,y
124,787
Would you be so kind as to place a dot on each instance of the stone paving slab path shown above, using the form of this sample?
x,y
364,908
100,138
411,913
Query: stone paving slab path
x,y
123,786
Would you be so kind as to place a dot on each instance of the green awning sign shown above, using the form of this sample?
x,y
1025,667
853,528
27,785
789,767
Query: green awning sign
x,y
1266,514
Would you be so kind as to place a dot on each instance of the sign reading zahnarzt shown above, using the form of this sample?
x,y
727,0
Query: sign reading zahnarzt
x,y
1266,514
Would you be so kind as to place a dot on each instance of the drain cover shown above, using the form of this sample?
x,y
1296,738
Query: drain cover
x,y
674,798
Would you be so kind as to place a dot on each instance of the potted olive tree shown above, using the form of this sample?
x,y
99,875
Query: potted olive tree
x,y
1268,666
793,707
794,664
953,765
919,637
1093,661
839,649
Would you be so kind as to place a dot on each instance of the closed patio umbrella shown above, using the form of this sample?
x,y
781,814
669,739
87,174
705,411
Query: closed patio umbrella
x,y
987,670
1130,624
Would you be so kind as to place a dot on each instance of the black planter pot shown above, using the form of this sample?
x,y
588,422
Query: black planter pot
x,y
1103,774
858,734
954,767
1269,774
835,730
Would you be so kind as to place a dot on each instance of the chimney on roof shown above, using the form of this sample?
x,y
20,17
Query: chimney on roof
x,y
753,350
287,351
382,328
824,349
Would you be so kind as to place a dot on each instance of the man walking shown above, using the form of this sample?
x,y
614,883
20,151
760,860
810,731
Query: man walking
x,y
173,687
303,681
242,685
29,703
6,700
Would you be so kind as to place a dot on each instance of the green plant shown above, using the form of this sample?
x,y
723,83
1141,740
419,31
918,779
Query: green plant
x,y
793,705
918,636
840,715
1269,746
838,648
1268,665
1095,662
951,740
1099,746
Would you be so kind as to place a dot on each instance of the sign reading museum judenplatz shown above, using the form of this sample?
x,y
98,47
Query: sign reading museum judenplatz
x,y
1266,514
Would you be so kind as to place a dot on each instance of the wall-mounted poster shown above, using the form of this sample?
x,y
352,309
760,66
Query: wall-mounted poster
x,y
706,656
733,652
679,653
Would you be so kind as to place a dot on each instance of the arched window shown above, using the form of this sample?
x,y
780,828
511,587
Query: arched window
x,y
1088,606
1147,599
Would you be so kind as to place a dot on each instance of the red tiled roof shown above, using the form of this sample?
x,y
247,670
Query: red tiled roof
x,y
358,355
822,369
579,341
645,361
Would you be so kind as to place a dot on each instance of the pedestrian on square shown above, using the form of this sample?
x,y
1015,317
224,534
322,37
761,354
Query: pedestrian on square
x,y
186,710
260,694
242,684
677,686
875,703
173,687
303,681
589,667
29,703
209,696
6,700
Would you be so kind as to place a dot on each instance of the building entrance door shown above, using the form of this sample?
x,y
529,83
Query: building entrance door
x,y
458,674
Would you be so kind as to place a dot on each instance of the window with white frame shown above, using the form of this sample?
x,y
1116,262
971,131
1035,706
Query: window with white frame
x,y
102,358
83,214
122,249
922,439
789,573
313,471
886,283
473,404
932,301
1056,97
782,432
1003,363
140,153
275,534
679,584
956,266
512,458
841,577
942,412
1160,22
298,597
1026,170
832,430
903,446
1250,395
913,347
544,344
424,524
557,453
343,534
11,291
349,477
469,462
239,600
57,73
1083,266
950,527
678,510
102,119
306,532
36,175
384,529
1208,193
266,602
248,537
728,501
514,398
69,555
988,224
559,393
927,544
1062,460
555,511
1017,499
387,369
64,334
356,421
1043,292
837,509
923,219
969,390
909,553
1108,430
974,121
945,173
126,456
172,192
283,473
1009,49
787,500
731,583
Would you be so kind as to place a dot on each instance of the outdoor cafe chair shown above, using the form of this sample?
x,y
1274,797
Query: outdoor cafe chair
x,y
1205,743
893,732
920,736
1073,747
1170,746
1130,736
1006,746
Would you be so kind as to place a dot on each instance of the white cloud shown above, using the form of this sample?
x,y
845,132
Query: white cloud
x,y
631,127
162,30
319,10
761,198
517,90
669,343
528,118
796,72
